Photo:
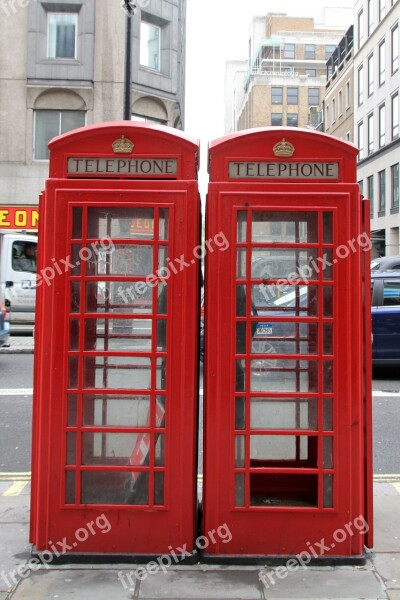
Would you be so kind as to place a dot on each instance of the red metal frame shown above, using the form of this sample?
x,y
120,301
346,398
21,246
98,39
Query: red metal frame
x,y
286,524
74,342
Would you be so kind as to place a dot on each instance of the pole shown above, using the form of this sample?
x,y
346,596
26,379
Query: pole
x,y
128,68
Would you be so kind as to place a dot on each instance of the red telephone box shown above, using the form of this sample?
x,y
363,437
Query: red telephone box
x,y
287,377
115,402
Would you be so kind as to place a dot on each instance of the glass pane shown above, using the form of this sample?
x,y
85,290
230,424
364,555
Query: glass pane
x,y
77,216
162,268
241,264
290,300
328,376
116,372
161,374
242,226
162,305
240,337
283,337
118,334
115,448
102,410
278,447
75,259
70,487
239,489
328,338
328,231
159,488
240,413
284,413
240,376
75,296
121,223
150,45
163,223
74,334
292,264
292,376
73,372
127,260
328,414
118,297
283,489
328,300
328,491
47,126
71,448
326,265
328,452
161,335
114,487
160,411
292,227
72,410
159,455
240,451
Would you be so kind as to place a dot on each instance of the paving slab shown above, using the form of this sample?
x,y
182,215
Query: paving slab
x,y
388,567
393,594
387,524
14,534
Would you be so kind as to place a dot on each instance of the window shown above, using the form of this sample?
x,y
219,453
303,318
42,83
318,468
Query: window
x,y
382,9
370,133
370,192
382,125
277,95
370,16
360,21
24,256
340,107
391,292
309,51
395,49
348,94
49,123
360,81
311,72
395,116
333,110
382,63
313,96
327,121
361,184
360,140
292,120
289,51
292,95
150,36
382,194
276,119
329,50
61,35
370,75
395,188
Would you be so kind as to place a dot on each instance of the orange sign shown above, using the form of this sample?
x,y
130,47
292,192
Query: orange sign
x,y
19,217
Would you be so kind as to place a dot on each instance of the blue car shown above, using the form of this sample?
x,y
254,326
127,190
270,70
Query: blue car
x,y
386,318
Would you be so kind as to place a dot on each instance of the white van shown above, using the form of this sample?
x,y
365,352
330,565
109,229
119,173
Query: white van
x,y
18,278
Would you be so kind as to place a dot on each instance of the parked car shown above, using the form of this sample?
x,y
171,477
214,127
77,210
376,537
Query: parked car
x,y
386,318
385,263
4,327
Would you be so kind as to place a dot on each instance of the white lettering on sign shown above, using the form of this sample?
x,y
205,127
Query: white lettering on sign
x,y
283,170
122,166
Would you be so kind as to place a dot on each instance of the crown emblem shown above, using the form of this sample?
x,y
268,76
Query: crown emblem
x,y
283,148
122,146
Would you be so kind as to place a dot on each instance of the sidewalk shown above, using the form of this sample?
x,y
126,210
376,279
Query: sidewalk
x,y
19,344
378,579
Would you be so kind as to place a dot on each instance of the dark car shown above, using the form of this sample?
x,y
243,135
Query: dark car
x,y
386,318
385,263
4,327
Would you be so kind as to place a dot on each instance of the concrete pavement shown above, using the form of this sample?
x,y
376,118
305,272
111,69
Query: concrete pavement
x,y
378,579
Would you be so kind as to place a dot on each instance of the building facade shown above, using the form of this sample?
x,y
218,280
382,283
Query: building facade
x,y
286,74
62,66
376,119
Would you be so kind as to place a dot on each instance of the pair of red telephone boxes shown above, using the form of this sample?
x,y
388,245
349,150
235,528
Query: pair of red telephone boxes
x,y
287,396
